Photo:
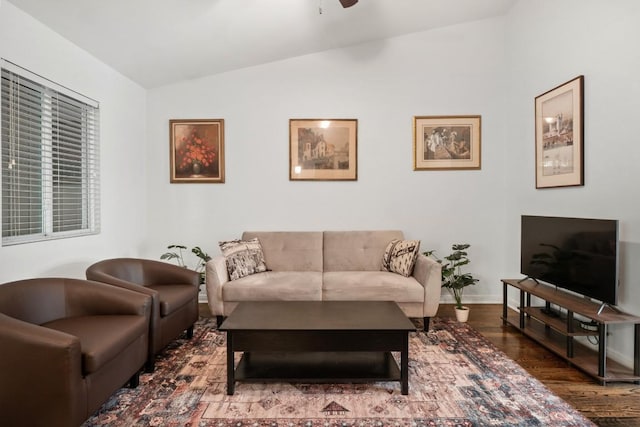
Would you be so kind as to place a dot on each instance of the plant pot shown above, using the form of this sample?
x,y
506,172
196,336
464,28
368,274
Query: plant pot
x,y
462,314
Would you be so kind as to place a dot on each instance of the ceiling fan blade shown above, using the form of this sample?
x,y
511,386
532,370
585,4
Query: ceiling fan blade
x,y
348,3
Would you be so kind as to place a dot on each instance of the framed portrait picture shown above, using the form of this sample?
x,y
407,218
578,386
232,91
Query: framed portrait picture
x,y
446,142
197,150
559,136
323,149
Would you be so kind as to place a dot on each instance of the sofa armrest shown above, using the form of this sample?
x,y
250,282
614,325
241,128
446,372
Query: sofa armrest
x,y
428,272
40,373
215,278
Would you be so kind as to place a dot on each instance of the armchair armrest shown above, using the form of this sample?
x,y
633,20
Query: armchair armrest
x,y
48,360
428,272
94,298
215,278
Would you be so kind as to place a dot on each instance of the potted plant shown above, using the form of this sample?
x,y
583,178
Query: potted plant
x,y
453,278
203,257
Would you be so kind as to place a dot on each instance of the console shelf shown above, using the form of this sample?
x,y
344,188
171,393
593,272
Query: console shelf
x,y
557,331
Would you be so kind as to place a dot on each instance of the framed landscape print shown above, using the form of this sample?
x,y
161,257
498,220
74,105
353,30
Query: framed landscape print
x,y
197,150
323,149
559,136
446,142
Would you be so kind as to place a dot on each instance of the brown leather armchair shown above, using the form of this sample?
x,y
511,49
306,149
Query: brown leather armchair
x,y
173,289
65,346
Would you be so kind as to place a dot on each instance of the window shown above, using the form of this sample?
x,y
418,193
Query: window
x,y
50,159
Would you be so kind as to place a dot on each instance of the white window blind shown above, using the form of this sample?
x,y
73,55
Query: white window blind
x,y
50,159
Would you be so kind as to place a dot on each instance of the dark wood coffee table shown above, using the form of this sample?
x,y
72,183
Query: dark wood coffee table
x,y
317,342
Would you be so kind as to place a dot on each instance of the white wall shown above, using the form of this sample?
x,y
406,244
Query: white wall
x,y
494,68
452,71
28,43
549,42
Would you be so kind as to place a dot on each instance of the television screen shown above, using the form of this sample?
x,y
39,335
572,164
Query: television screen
x,y
577,254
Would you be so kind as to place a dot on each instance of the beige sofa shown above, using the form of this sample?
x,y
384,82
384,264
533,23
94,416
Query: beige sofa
x,y
326,266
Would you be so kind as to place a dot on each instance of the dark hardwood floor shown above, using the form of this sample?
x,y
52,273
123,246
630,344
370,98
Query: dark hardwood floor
x,y
614,405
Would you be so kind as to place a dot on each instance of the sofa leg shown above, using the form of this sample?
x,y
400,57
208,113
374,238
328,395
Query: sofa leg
x,y
426,323
219,320
190,332
134,381
150,365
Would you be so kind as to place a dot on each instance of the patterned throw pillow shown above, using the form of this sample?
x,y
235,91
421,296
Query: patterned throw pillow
x,y
244,257
400,256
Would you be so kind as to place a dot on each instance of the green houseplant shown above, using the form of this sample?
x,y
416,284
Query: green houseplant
x,y
452,276
175,253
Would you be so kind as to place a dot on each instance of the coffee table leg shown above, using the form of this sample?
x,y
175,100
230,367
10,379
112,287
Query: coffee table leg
x,y
231,382
404,364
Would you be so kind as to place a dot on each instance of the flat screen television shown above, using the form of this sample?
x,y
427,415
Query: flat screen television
x,y
577,254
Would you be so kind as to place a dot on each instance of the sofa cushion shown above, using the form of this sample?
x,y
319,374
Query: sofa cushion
x,y
370,286
172,297
290,250
400,256
244,257
102,338
275,286
356,250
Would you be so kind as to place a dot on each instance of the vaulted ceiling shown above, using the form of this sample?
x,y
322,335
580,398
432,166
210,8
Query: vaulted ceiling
x,y
159,42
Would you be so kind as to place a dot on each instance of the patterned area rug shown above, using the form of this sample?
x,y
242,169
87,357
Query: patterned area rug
x,y
456,378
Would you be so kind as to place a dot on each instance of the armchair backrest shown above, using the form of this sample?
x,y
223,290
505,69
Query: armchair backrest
x,y
34,301
143,272
126,269
43,300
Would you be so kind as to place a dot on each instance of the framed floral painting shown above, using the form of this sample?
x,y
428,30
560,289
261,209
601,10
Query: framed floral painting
x,y
197,150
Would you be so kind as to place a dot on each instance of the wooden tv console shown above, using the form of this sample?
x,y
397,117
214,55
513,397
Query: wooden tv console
x,y
557,332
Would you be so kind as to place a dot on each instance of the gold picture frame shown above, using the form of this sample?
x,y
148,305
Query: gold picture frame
x,y
446,142
323,149
560,135
196,150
